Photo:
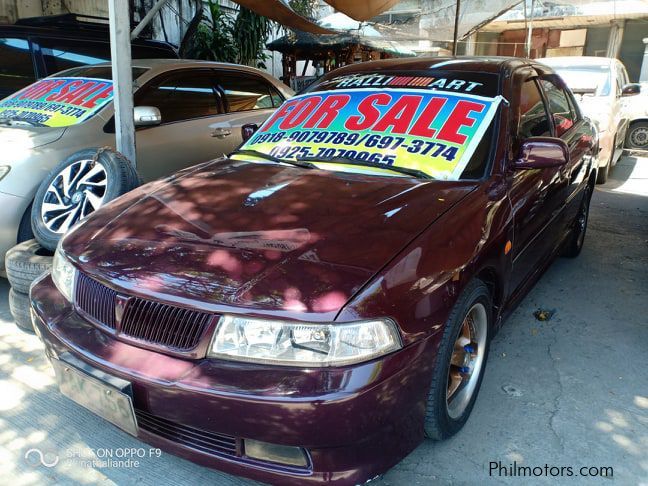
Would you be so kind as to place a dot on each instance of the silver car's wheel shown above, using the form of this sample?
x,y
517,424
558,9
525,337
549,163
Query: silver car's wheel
x,y
466,360
75,188
75,192
637,137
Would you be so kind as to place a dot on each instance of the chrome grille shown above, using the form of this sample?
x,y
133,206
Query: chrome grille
x,y
96,300
145,320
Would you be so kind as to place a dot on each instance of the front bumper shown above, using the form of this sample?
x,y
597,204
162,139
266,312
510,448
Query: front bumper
x,y
355,422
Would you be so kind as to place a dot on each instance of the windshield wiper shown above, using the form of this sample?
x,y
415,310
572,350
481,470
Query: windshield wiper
x,y
272,158
419,174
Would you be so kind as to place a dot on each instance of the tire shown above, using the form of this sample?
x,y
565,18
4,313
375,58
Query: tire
x,y
19,308
577,237
25,262
90,187
24,229
637,136
448,410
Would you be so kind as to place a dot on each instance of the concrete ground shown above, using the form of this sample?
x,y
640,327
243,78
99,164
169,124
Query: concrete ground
x,y
568,392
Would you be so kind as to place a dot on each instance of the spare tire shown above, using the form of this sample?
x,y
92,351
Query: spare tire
x,y
75,188
25,262
19,308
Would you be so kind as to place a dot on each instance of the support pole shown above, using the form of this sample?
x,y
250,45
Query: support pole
x,y
120,59
529,29
455,37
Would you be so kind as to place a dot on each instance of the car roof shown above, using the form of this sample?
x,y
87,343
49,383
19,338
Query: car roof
x,y
491,64
169,64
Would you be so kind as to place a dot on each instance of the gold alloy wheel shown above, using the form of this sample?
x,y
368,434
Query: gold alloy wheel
x,y
466,360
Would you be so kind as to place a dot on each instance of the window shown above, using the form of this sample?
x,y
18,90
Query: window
x,y
59,54
16,67
559,107
532,115
181,97
244,92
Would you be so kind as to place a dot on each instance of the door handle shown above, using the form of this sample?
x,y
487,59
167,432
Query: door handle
x,y
221,132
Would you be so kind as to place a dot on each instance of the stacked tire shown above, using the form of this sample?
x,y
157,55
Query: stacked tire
x,y
100,172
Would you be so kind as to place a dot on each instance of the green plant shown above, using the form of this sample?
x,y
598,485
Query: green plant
x,y
241,39
250,33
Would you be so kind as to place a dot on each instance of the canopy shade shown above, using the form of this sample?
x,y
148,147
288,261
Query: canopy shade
x,y
362,10
282,13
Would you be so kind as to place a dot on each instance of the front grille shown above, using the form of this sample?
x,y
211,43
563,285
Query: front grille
x,y
163,324
209,442
141,319
96,300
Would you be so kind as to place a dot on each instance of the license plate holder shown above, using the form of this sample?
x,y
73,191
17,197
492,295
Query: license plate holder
x,y
105,395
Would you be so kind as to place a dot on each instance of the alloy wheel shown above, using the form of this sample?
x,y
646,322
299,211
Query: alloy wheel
x,y
467,360
73,194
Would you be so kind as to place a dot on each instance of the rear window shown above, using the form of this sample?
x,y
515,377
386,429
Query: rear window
x,y
57,102
426,125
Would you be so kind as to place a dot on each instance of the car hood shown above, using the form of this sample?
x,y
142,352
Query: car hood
x,y
259,236
17,140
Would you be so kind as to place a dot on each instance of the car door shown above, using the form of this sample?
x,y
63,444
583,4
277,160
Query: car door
x,y
569,126
248,99
536,195
189,103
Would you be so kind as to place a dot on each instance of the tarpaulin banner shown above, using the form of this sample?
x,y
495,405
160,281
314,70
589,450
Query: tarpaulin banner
x,y
57,102
434,132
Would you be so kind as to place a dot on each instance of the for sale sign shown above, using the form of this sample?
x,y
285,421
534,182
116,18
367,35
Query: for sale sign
x,y
434,132
57,102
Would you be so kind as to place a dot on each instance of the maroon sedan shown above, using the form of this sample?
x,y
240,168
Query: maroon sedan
x,y
310,308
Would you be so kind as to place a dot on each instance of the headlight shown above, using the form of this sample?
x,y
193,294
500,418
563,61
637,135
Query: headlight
x,y
4,170
63,274
302,344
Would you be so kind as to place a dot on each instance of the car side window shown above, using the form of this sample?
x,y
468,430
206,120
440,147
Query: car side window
x,y
181,97
533,120
16,68
245,92
559,107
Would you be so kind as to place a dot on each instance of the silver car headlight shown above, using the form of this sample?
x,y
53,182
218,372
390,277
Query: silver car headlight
x,y
63,274
302,344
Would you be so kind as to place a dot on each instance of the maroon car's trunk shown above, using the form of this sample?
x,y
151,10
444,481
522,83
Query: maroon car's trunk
x,y
263,236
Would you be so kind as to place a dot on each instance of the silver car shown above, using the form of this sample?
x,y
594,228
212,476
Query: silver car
x,y
601,86
186,112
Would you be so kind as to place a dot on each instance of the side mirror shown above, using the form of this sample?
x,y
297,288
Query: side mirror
x,y
147,116
541,153
631,89
248,130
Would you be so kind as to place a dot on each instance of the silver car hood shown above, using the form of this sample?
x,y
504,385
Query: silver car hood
x,y
26,138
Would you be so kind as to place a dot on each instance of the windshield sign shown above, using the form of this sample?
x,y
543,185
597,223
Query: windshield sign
x,y
57,102
433,132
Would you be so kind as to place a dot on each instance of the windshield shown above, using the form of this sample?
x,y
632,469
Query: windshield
x,y
400,131
593,80
57,102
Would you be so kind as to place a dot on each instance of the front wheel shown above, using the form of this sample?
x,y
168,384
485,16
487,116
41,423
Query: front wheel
x,y
460,363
